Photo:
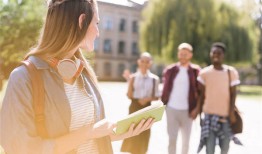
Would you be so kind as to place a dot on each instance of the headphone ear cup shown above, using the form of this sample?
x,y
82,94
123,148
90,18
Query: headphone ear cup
x,y
67,68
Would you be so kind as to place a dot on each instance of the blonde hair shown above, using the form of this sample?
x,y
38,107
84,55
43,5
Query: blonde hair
x,y
61,32
146,54
185,46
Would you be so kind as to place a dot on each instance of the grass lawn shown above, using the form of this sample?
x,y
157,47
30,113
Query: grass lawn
x,y
244,91
250,92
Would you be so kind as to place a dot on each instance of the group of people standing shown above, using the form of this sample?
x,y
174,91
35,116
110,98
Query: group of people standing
x,y
187,91
72,111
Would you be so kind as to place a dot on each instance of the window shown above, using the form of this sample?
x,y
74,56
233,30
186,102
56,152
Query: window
x,y
121,47
107,69
108,23
121,68
134,27
122,25
107,46
96,44
134,49
134,68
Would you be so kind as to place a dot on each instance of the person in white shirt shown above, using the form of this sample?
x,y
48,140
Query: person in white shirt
x,y
180,96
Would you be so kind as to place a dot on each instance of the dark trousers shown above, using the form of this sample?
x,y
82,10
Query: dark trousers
x,y
136,144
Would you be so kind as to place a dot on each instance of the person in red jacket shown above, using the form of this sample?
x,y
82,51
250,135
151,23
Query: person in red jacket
x,y
180,96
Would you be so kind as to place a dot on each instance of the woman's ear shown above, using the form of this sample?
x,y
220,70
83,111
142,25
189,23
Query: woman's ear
x,y
80,20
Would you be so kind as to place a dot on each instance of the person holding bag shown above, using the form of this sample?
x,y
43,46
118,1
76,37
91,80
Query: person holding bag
x,y
218,101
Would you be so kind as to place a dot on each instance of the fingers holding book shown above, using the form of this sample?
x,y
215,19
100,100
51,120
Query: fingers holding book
x,y
134,129
154,111
142,126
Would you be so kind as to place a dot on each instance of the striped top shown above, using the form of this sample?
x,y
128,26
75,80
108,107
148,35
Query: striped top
x,y
82,113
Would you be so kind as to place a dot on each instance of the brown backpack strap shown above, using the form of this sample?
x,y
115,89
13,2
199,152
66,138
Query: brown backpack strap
x,y
38,98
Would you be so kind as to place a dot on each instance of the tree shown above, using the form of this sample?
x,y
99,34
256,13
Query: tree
x,y
258,18
253,9
19,28
200,22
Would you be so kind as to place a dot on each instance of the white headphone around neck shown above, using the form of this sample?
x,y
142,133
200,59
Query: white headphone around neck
x,y
67,68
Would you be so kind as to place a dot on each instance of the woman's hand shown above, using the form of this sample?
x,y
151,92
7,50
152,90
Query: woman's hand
x,y
133,131
72,140
101,128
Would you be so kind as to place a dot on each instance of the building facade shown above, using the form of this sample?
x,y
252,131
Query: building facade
x,y
116,48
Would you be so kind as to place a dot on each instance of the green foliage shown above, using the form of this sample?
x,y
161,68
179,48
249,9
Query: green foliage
x,y
19,28
254,92
168,23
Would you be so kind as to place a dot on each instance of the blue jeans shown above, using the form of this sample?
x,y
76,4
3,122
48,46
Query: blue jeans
x,y
223,143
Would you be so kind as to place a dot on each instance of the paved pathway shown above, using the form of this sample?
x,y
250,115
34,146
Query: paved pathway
x,y
116,104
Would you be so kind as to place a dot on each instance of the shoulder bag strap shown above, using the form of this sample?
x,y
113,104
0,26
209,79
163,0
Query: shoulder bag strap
x,y
38,98
154,85
230,91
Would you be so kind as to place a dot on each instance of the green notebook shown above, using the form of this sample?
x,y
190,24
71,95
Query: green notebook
x,y
153,111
